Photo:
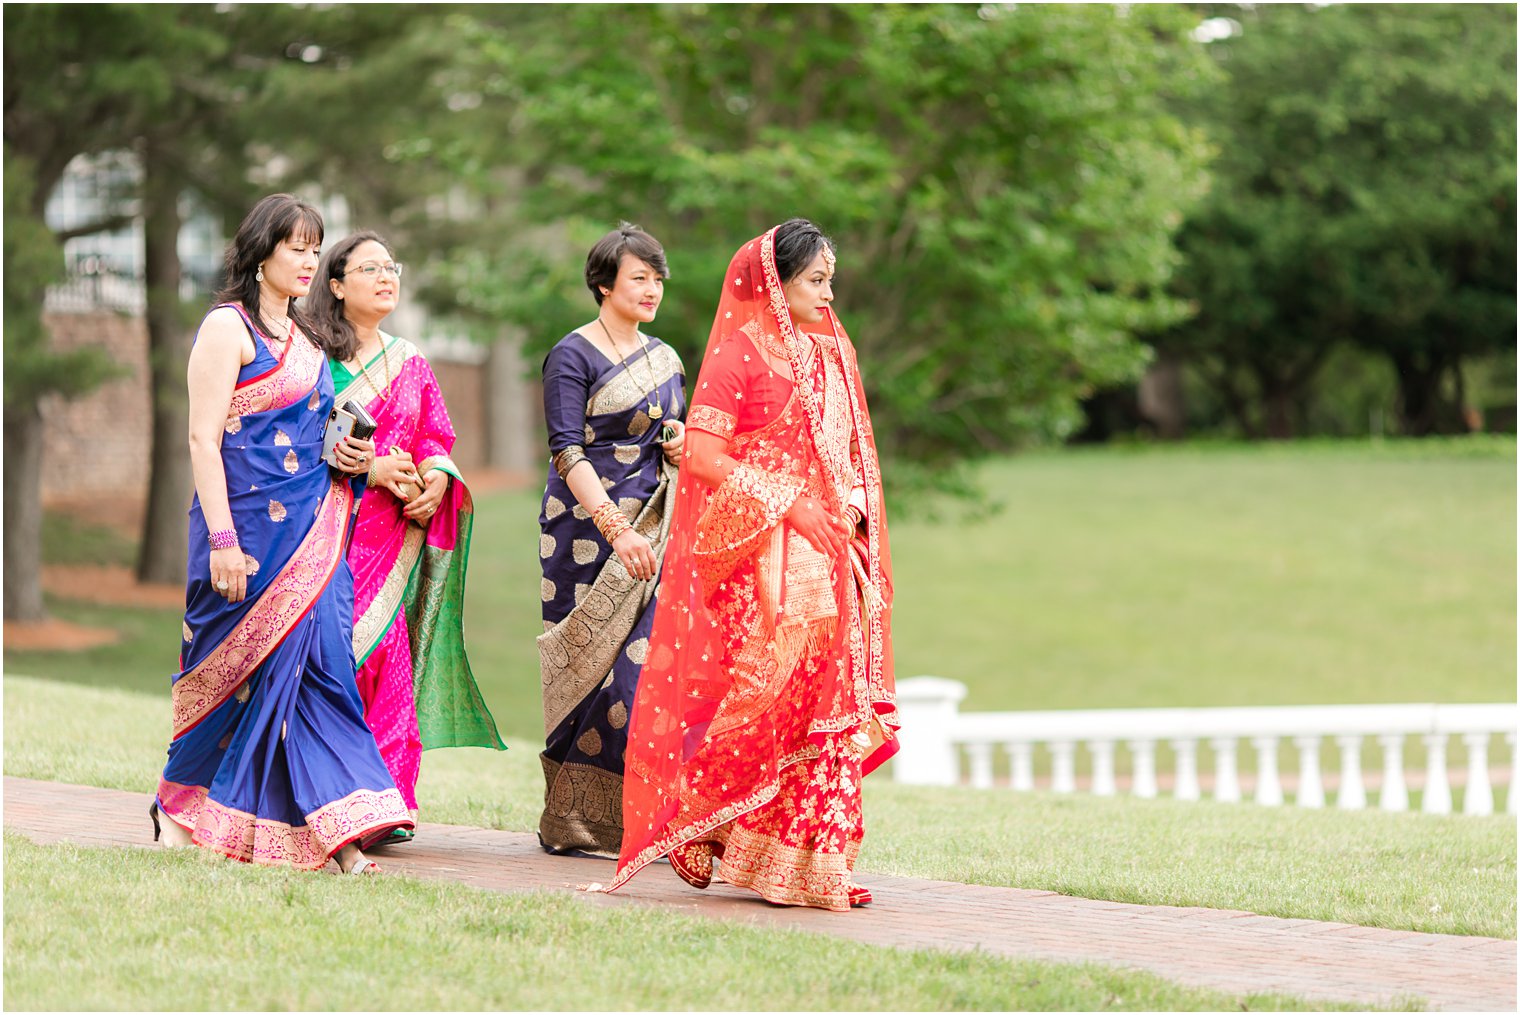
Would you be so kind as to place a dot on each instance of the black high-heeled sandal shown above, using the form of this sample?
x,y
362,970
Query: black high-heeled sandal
x,y
153,815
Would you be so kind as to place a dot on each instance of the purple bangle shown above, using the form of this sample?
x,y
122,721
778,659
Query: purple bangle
x,y
224,540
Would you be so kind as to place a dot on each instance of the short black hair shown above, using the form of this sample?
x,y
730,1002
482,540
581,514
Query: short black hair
x,y
797,243
606,257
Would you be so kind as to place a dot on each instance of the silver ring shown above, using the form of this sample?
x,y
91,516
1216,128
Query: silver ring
x,y
222,586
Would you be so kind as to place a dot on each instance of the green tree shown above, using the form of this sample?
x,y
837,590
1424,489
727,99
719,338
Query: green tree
x,y
1003,182
1364,193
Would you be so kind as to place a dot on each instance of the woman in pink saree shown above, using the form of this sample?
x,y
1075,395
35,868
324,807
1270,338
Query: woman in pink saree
x,y
411,546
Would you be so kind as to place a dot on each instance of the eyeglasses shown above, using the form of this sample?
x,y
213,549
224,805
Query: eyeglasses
x,y
370,269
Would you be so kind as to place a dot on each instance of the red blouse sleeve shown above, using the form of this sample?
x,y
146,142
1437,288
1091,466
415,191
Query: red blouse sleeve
x,y
715,402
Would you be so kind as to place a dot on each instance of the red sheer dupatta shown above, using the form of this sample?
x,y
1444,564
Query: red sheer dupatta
x,y
762,648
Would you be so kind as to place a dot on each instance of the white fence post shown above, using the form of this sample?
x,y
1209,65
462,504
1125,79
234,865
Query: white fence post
x,y
929,707
1437,786
1063,766
981,765
1509,738
1478,796
1143,752
1311,791
1186,787
1103,767
1268,786
1353,792
1394,795
1226,782
1020,765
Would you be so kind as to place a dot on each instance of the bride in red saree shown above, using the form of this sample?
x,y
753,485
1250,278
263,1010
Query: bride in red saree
x,y
767,693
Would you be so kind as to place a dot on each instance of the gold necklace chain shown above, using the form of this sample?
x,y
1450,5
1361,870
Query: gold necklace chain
x,y
652,402
385,364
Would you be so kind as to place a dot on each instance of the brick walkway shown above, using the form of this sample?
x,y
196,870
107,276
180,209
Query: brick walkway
x,y
1221,949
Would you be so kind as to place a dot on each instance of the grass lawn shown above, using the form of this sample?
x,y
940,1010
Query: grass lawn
x,y
1452,875
208,933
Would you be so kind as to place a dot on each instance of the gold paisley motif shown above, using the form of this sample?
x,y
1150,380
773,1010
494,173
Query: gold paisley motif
x,y
590,743
580,513
234,424
584,550
546,545
639,424
276,511
626,454
243,693
292,463
184,628
617,715
589,434
281,439
581,588
553,507
253,565
546,590
630,506
638,650
315,402
608,482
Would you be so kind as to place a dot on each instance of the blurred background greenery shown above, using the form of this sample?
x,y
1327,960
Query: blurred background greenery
x,y
1057,224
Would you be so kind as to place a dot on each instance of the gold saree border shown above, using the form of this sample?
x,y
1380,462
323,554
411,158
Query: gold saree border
x,y
626,390
397,352
576,654
285,385
203,689
265,841
370,628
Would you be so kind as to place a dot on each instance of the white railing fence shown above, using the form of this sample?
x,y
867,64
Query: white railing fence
x,y
936,732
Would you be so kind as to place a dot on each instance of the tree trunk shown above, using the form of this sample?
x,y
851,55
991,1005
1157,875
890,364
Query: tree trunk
x,y
514,425
1161,398
1422,409
161,554
23,510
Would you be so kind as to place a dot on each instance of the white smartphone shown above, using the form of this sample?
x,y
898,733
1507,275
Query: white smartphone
x,y
339,425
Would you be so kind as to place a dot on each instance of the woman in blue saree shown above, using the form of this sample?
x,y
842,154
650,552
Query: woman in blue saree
x,y
271,761
613,400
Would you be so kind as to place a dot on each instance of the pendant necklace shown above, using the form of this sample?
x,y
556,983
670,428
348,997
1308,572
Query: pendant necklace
x,y
651,401
385,364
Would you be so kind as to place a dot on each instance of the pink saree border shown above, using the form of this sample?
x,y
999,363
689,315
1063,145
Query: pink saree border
x,y
292,593
243,836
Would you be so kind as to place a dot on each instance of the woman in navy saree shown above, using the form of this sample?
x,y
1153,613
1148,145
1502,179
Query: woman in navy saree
x,y
609,392
270,760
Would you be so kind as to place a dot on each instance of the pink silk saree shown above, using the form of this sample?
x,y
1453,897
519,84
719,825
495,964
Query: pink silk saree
x,y
413,675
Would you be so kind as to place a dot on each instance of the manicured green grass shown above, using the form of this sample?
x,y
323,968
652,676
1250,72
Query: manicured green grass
x,y
1405,871
141,929
1192,575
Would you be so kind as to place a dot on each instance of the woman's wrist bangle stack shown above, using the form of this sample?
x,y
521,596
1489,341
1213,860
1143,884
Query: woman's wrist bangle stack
x,y
223,540
610,521
372,479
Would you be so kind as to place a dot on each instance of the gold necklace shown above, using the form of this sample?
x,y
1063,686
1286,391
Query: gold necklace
x,y
385,364
652,402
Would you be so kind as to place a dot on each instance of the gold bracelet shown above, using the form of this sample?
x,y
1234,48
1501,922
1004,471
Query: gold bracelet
x,y
371,480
